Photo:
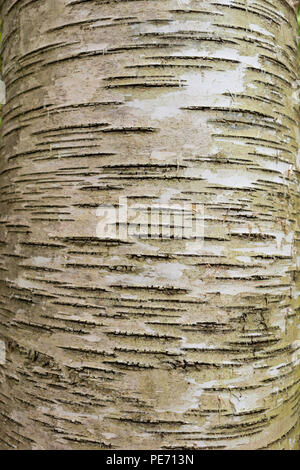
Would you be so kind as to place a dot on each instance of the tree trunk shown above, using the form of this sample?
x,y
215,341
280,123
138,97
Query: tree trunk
x,y
139,332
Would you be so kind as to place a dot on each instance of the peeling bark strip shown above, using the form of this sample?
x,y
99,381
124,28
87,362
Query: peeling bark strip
x,y
152,343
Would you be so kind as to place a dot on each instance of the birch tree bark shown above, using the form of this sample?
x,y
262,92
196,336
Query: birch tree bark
x,y
164,342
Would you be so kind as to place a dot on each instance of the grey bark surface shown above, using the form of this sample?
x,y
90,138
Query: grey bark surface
x,y
149,343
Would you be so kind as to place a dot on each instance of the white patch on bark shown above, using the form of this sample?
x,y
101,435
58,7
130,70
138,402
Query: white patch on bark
x,y
2,92
2,352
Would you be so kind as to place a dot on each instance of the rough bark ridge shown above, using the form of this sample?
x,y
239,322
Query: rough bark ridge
x,y
149,343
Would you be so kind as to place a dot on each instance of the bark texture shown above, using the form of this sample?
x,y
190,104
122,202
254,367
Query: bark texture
x,y
149,343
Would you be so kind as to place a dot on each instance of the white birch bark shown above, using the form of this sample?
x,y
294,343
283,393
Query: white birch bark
x,y
149,343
